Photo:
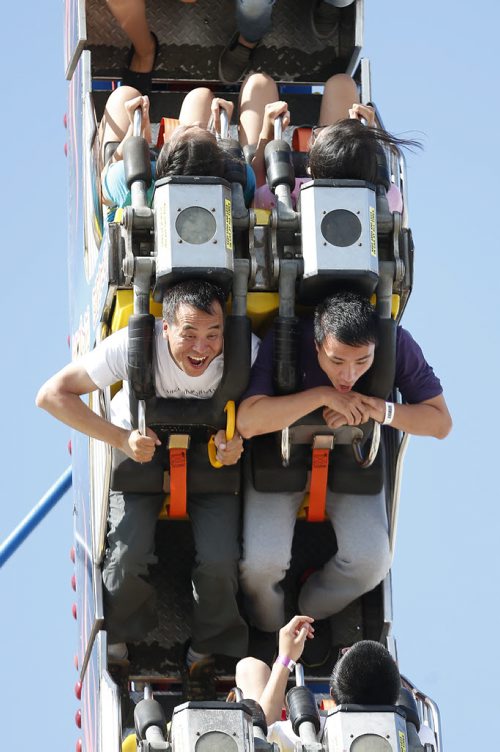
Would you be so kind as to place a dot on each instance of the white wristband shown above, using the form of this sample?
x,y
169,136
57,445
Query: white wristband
x,y
389,414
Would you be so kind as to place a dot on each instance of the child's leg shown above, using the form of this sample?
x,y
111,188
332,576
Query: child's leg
x,y
340,94
115,122
257,90
251,677
131,15
195,108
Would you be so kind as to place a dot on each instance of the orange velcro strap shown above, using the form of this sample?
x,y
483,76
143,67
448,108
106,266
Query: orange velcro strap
x,y
317,491
167,126
301,138
178,483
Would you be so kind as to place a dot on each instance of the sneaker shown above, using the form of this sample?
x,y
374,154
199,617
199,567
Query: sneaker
x,y
117,651
324,18
198,680
318,651
235,60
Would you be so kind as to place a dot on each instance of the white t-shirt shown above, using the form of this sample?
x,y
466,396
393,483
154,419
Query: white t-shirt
x,y
107,364
281,733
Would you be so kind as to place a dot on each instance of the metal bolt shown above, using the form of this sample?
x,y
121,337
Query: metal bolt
x,y
214,242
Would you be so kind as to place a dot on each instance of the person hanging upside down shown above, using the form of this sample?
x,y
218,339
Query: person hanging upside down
x,y
335,349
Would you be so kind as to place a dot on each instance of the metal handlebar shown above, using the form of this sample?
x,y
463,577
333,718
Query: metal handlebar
x,y
278,128
285,447
362,460
299,675
137,123
224,123
141,417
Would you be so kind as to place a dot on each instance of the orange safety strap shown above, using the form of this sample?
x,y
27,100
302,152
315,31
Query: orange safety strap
x,y
319,478
301,138
167,127
178,446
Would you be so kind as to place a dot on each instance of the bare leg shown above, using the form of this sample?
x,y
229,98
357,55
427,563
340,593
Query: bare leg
x,y
252,676
115,122
339,95
195,108
131,15
257,90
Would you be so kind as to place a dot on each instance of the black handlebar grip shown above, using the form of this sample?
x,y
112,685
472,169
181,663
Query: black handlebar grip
x,y
136,160
407,702
235,170
140,354
285,355
383,176
149,713
279,165
301,706
258,715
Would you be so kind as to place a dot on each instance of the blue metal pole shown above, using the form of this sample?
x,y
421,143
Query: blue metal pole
x,y
30,522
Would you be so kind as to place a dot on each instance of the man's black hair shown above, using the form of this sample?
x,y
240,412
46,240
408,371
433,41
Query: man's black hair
x,y
366,675
197,293
348,317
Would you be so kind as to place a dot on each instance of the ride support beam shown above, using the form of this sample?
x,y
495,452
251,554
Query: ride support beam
x,y
37,514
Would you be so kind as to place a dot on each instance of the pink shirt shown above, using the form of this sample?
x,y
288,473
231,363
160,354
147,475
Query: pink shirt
x,y
264,198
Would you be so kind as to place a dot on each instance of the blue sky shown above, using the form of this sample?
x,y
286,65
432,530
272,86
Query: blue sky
x,y
432,70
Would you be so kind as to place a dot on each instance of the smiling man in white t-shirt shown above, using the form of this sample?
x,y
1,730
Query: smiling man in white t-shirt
x,y
187,362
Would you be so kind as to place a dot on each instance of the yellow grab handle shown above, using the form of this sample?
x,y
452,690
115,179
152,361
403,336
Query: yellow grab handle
x,y
230,410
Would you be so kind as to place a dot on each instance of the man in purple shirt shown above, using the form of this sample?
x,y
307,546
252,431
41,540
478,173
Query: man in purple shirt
x,y
334,352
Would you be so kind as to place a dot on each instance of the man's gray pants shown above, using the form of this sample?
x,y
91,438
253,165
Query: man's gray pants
x,y
130,601
361,562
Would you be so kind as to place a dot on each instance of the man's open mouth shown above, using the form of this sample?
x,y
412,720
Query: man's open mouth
x,y
344,388
197,362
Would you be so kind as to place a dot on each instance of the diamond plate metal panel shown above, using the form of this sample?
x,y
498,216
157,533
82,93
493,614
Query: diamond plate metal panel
x,y
192,37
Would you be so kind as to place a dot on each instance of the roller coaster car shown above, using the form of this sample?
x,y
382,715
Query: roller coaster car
x,y
200,725
270,264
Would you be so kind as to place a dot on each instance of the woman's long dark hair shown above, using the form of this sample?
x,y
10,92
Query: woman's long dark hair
x,y
191,153
349,150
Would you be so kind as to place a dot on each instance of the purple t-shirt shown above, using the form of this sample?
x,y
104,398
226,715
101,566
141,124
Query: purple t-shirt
x,y
414,377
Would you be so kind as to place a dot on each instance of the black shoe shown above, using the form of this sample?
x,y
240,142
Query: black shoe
x,y
318,651
324,17
140,81
198,680
235,60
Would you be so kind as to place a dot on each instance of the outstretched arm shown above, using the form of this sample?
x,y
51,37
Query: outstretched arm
x,y
60,396
291,645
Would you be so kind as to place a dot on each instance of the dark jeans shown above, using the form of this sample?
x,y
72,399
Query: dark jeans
x,y
130,600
